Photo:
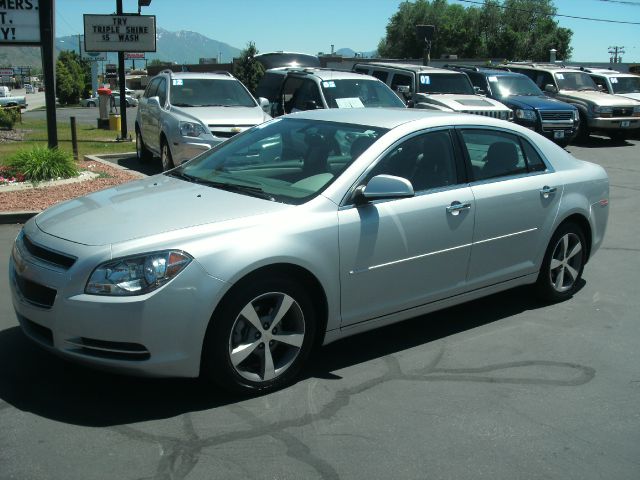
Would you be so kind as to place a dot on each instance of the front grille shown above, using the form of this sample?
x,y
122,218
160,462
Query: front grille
x,y
623,112
556,116
46,255
110,350
488,113
34,293
216,133
38,332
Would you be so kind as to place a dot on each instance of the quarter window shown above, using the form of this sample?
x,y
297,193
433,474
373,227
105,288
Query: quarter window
x,y
381,75
152,88
162,92
291,85
400,80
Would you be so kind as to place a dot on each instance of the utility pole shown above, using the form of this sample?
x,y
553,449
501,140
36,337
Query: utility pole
x,y
616,54
123,100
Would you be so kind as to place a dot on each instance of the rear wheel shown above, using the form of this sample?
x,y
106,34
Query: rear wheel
x,y
583,129
91,104
165,156
260,336
563,264
142,153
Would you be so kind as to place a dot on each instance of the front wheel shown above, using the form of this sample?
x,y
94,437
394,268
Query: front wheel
x,y
563,264
165,156
142,153
260,336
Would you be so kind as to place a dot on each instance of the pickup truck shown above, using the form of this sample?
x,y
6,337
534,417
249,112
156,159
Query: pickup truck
x,y
13,102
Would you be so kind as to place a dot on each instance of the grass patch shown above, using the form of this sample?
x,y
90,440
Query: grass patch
x,y
90,139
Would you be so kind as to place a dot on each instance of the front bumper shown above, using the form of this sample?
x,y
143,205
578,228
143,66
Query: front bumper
x,y
157,334
615,123
183,150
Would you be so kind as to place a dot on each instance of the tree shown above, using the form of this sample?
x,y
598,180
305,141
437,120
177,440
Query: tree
x,y
70,77
247,69
514,30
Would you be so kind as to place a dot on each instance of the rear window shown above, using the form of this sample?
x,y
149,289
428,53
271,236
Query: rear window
x,y
359,93
209,92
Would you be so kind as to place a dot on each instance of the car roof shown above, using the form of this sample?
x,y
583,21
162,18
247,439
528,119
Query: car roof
x,y
543,66
321,73
485,70
608,73
390,118
407,66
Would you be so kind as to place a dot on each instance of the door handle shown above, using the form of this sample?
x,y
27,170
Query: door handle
x,y
456,207
547,190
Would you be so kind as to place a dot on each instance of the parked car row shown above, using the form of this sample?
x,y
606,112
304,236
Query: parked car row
x,y
114,100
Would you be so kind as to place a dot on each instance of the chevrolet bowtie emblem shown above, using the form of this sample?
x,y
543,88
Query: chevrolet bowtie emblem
x,y
236,129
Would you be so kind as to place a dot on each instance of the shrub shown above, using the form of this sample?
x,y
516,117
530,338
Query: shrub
x,y
41,163
8,117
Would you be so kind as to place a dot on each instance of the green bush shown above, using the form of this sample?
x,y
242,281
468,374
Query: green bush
x,y
41,163
8,117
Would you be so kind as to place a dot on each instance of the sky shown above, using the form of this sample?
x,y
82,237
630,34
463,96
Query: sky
x,y
312,26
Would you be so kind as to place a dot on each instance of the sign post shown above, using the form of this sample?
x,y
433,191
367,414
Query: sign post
x,y
425,33
31,23
120,33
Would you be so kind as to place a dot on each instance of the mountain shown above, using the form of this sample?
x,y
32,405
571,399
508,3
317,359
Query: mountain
x,y
181,47
348,52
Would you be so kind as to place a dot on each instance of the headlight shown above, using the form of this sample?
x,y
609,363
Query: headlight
x,y
136,275
576,115
636,109
597,109
526,114
191,129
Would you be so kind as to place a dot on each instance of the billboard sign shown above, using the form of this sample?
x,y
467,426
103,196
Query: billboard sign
x,y
6,72
119,33
19,22
134,56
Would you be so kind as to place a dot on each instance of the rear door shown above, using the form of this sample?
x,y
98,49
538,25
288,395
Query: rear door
x,y
517,196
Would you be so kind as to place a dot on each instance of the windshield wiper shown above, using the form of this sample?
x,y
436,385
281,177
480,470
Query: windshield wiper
x,y
182,105
234,187
184,176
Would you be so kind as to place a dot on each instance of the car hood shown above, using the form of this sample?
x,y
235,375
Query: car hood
x,y
232,116
147,207
538,102
634,96
598,98
459,102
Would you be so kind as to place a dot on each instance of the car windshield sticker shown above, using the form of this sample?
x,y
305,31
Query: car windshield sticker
x,y
493,79
559,76
330,84
425,79
351,102
613,80
177,81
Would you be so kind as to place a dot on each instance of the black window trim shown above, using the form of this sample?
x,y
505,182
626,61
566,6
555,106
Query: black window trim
x,y
467,160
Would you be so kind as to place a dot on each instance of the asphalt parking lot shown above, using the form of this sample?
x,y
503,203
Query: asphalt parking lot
x,y
499,388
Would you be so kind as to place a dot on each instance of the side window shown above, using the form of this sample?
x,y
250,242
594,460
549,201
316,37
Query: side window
x,y
307,93
381,75
478,80
600,82
162,92
291,86
542,79
534,161
426,160
152,88
400,79
493,153
362,70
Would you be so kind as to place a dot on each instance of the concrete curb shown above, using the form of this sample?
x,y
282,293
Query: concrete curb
x,y
7,218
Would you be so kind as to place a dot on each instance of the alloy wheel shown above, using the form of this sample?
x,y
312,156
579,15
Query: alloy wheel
x,y
266,337
165,157
138,145
566,262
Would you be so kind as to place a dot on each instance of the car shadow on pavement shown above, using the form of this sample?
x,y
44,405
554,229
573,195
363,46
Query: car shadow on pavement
x,y
37,381
602,142
132,163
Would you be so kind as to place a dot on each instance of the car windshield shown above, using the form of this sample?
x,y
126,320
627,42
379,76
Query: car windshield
x,y
445,83
359,93
285,160
574,81
625,84
512,85
204,92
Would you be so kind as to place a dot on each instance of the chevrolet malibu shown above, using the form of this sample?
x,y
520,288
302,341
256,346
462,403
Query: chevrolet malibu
x,y
299,232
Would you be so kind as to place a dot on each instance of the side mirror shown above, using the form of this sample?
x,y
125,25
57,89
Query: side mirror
x,y
550,88
411,104
601,88
310,105
154,102
403,89
264,104
383,187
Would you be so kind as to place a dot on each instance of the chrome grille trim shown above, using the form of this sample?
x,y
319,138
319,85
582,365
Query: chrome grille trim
x,y
46,255
547,115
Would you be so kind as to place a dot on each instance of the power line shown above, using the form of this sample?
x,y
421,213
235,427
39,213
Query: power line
x,y
476,2
622,2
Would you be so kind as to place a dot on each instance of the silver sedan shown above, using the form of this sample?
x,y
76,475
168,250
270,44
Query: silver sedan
x,y
299,232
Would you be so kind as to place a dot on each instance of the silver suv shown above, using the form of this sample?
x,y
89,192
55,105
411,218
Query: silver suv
x,y
614,116
182,114
615,83
435,89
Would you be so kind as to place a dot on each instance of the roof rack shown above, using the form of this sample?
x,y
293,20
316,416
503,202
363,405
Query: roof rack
x,y
475,68
598,69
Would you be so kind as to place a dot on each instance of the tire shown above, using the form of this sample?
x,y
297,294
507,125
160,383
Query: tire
x,y
583,129
619,136
91,104
240,338
165,156
142,153
563,264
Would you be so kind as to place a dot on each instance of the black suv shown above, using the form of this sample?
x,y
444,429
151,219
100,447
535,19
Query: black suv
x,y
556,120
292,89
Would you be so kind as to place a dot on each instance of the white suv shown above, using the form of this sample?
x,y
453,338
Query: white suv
x,y
181,115
616,83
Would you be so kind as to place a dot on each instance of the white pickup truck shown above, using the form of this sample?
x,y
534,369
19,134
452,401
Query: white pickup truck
x,y
13,102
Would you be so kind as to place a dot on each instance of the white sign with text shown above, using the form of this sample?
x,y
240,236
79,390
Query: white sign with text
x,y
119,33
19,21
